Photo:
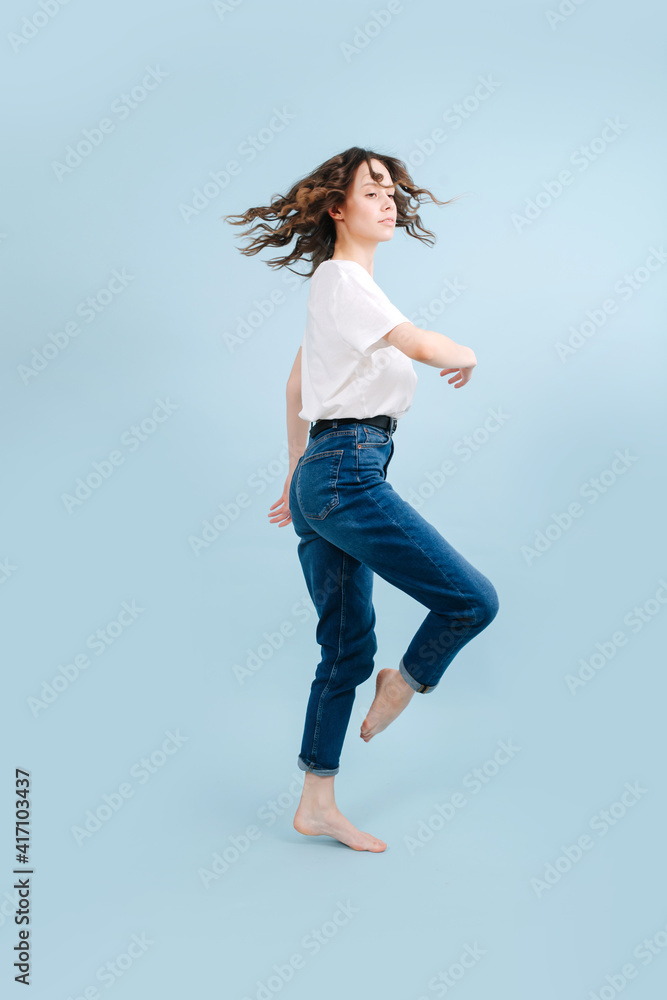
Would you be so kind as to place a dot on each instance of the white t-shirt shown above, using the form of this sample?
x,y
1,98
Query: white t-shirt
x,y
347,370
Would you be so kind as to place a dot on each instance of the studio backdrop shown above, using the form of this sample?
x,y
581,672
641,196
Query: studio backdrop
x,y
159,641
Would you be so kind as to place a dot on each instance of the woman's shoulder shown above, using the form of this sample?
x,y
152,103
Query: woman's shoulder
x,y
343,284
347,273
346,266
329,274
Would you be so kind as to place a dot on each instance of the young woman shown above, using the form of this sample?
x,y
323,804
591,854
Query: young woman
x,y
353,379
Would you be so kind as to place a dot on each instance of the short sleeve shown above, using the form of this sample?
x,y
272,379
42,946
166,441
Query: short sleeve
x,y
363,313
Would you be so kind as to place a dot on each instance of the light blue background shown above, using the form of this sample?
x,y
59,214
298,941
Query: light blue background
x,y
172,669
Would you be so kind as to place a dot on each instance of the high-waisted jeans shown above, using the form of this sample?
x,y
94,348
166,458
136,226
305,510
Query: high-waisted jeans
x,y
351,524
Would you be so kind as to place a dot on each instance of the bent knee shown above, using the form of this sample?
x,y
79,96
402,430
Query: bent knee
x,y
487,605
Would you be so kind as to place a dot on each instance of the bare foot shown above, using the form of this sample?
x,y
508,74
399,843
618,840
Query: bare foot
x,y
392,695
333,824
318,815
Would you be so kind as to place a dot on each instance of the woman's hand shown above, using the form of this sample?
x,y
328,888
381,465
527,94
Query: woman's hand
x,y
462,376
282,515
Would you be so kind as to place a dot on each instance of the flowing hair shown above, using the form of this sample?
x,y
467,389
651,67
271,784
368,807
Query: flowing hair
x,y
302,213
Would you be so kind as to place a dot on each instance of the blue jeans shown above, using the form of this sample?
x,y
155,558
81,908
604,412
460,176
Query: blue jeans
x,y
351,524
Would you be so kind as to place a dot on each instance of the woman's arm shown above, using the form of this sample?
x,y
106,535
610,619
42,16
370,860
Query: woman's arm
x,y
297,439
430,348
297,429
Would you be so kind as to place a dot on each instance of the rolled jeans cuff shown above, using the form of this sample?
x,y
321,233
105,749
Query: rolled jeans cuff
x,y
314,769
415,685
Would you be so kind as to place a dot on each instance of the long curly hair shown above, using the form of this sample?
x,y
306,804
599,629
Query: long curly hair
x,y
302,214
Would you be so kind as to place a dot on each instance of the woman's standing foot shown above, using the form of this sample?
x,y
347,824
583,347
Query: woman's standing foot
x,y
318,815
392,695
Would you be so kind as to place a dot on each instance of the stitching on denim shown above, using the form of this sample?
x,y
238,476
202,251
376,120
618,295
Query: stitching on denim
x,y
320,705
418,689
333,482
415,542
321,454
312,766
356,450
368,438
385,467
331,432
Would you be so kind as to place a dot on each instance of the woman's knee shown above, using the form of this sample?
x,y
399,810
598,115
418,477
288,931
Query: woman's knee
x,y
486,604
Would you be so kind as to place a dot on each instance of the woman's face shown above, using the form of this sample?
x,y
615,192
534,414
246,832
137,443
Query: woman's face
x,y
369,211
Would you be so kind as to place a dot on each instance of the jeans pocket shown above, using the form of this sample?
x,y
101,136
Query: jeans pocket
x,y
374,436
317,482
